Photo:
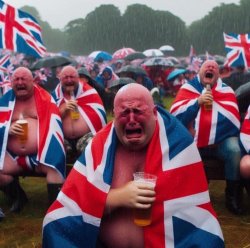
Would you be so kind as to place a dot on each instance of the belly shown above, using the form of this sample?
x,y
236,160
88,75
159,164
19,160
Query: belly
x,y
30,146
119,230
74,128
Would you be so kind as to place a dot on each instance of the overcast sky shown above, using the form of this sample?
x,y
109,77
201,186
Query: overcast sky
x,y
59,12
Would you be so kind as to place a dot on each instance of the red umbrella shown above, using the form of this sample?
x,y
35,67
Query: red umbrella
x,y
123,52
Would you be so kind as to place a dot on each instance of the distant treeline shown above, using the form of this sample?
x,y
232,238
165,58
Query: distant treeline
x,y
141,28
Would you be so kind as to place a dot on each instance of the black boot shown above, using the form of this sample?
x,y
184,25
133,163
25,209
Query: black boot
x,y
233,194
53,190
246,185
1,214
15,195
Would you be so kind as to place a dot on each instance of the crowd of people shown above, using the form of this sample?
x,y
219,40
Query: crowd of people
x,y
94,205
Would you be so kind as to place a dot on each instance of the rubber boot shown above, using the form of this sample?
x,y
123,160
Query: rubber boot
x,y
16,195
53,190
246,185
233,195
1,214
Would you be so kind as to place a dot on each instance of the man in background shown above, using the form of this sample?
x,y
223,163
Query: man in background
x,y
209,109
33,150
81,110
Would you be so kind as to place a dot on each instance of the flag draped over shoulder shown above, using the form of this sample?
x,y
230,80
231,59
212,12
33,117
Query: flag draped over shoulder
x,y
245,132
237,47
182,215
50,135
20,32
89,104
210,127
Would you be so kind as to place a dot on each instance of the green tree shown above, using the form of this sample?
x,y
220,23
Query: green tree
x,y
103,28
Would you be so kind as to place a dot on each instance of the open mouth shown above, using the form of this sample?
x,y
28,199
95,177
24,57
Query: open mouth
x,y
19,88
209,75
133,133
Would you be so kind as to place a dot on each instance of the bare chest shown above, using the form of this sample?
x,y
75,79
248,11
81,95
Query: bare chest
x,y
26,109
126,163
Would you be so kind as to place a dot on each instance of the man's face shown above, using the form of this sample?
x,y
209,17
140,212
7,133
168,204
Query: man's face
x,y
134,122
209,72
22,83
69,79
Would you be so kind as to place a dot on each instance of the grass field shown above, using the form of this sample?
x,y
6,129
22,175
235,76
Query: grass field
x,y
23,230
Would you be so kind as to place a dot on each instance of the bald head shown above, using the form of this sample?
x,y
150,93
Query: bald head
x,y
23,71
69,79
135,116
69,69
22,83
133,91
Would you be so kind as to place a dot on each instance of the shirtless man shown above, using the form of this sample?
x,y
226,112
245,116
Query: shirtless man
x,y
25,101
100,195
135,122
81,109
208,108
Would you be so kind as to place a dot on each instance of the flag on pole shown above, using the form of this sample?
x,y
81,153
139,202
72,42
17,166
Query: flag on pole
x,y
20,32
5,63
237,47
192,54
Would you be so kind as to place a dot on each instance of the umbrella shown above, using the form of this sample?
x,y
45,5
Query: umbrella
x,y
49,62
153,53
166,48
100,55
158,61
136,55
118,83
123,52
132,69
243,97
176,72
219,59
173,59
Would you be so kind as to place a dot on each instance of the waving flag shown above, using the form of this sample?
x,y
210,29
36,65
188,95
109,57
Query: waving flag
x,y
4,62
238,49
20,31
211,127
182,215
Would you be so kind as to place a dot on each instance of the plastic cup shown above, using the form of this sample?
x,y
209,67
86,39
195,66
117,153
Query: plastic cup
x,y
24,137
74,114
208,106
142,217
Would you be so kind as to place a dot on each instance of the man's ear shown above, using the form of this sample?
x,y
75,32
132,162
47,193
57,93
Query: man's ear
x,y
155,111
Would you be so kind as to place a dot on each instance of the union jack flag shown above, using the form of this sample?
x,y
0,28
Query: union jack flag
x,y
5,64
237,47
245,133
49,132
89,103
20,31
210,127
182,215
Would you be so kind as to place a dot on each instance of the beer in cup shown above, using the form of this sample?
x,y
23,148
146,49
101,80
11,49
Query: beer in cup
x,y
142,217
208,106
24,123
74,114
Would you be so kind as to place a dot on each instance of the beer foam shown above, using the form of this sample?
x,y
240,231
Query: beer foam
x,y
22,121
